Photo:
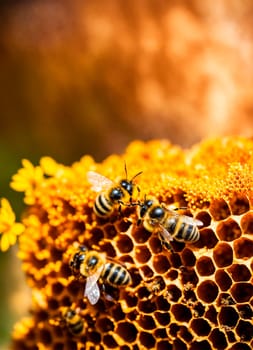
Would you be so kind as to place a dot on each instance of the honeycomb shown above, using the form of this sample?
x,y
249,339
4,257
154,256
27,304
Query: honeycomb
x,y
197,297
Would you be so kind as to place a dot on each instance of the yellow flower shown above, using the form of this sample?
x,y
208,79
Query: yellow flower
x,y
9,229
26,180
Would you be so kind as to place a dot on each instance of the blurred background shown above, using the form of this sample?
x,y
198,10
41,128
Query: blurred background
x,y
87,77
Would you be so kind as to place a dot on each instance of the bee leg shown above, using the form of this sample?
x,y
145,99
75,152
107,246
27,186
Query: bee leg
x,y
106,295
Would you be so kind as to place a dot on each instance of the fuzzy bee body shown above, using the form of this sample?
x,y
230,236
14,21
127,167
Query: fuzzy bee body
x,y
93,266
168,223
110,194
73,321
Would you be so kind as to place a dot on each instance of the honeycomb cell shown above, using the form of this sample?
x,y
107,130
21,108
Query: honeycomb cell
x,y
175,260
211,314
146,322
173,292
204,217
207,291
239,272
188,276
163,345
243,248
142,254
244,330
127,331
172,274
155,245
109,341
188,257
147,271
160,333
228,230
218,339
225,299
161,264
163,318
123,226
240,346
185,334
140,235
239,204
247,223
57,288
219,209
228,316
242,292
45,337
179,345
245,311
146,306
147,340
104,324
200,345
223,280
223,255
162,303
205,266
124,244
173,329
200,327
207,239
181,312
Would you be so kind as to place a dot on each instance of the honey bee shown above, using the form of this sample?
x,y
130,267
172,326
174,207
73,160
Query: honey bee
x,y
93,266
73,320
169,224
111,193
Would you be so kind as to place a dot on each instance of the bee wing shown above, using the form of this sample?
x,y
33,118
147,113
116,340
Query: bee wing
x,y
166,235
91,290
187,219
98,181
191,221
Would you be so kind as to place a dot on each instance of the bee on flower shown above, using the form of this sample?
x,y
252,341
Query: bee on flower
x,y
9,228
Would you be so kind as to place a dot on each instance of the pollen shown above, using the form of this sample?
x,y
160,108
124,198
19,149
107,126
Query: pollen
x,y
198,295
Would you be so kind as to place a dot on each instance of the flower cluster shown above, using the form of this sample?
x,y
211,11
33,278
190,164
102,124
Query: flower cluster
x,y
198,295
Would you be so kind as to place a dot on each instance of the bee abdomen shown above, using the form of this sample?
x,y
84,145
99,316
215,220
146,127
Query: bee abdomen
x,y
76,328
116,274
102,205
187,232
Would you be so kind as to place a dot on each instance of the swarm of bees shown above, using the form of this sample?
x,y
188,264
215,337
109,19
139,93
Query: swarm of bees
x,y
98,270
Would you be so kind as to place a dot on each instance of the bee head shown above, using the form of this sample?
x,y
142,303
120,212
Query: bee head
x,y
77,258
144,207
127,185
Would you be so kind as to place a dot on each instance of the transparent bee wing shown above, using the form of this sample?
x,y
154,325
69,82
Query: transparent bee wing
x,y
186,219
191,221
91,290
93,294
164,233
98,181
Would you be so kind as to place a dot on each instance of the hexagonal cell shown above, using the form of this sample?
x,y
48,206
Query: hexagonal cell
x,y
207,291
225,299
109,341
205,266
104,324
223,255
240,346
146,306
243,248
188,257
244,330
173,292
247,223
239,204
228,316
155,245
242,292
127,331
188,276
239,272
146,322
223,280
142,254
200,345
218,339
179,344
184,333
163,318
109,231
245,311
124,243
163,345
181,312
140,235
219,209
147,340
228,230
207,239
161,263
205,217
200,326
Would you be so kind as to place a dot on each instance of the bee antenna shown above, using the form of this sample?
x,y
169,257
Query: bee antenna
x,y
139,173
125,169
